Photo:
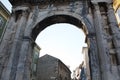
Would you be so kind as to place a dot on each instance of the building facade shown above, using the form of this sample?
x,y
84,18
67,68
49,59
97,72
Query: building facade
x,y
4,16
51,68
86,65
35,57
82,72
77,73
116,5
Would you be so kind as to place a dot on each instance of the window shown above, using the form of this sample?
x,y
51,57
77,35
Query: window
x,y
1,22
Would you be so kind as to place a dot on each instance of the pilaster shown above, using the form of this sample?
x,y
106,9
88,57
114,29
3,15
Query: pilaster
x,y
12,41
23,71
93,56
114,30
115,33
6,44
103,51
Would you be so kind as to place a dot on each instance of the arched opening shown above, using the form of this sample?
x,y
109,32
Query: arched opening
x,y
59,21
17,45
49,20
63,41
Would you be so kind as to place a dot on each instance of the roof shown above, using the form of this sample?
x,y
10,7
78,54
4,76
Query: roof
x,y
48,56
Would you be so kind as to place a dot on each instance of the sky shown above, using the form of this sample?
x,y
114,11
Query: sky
x,y
64,41
7,4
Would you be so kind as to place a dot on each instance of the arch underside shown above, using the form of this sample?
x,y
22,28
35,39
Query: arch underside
x,y
67,11
54,20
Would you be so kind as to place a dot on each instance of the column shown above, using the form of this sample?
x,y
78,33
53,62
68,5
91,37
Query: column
x,y
114,29
6,44
24,63
94,61
10,64
102,48
23,71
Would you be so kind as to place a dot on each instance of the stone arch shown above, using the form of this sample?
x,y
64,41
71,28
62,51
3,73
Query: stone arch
x,y
28,36
59,18
101,29
79,22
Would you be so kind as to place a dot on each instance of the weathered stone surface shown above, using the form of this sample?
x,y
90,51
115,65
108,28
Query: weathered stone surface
x,y
50,67
28,19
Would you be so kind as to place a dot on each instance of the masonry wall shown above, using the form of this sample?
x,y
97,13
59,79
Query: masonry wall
x,y
51,68
64,72
47,68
